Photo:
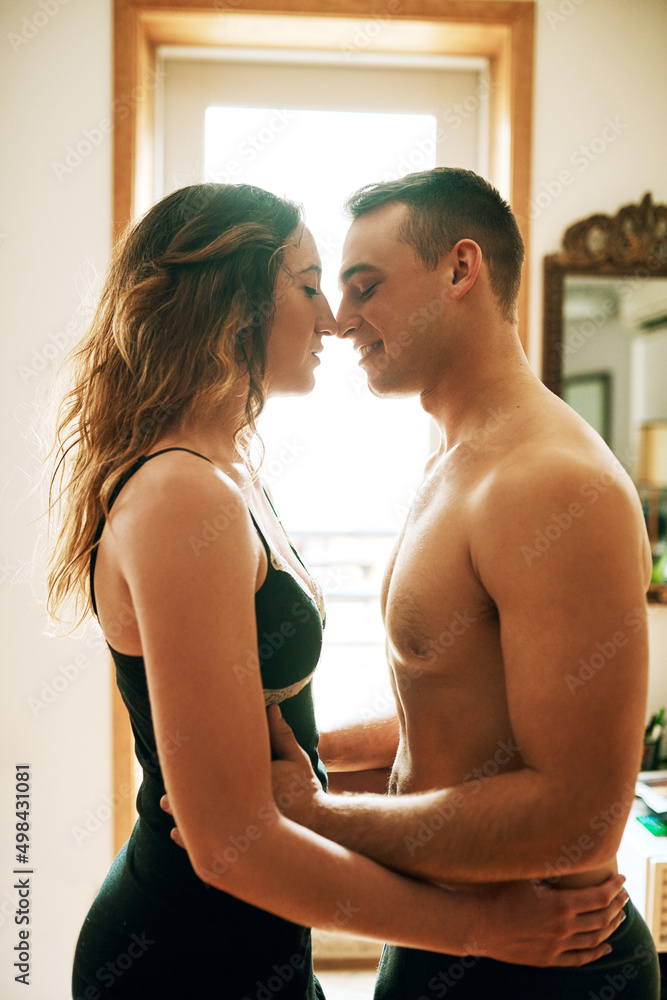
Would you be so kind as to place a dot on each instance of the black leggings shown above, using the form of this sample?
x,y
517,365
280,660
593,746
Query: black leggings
x,y
630,972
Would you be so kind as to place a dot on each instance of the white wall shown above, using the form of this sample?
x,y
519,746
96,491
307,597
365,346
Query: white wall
x,y
603,61
54,85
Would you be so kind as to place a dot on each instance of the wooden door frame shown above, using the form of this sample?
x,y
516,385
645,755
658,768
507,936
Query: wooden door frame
x,y
499,31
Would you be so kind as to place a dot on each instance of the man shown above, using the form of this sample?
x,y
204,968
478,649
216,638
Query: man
x,y
514,603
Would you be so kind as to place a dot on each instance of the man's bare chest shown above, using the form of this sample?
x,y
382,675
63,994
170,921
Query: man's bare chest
x,y
432,599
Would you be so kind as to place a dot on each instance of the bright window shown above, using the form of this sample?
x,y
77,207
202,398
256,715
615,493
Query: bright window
x,y
342,465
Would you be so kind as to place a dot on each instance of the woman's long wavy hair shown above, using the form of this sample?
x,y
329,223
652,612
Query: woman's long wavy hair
x,y
183,319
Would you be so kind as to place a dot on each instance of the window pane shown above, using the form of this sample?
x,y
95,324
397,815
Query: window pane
x,y
341,464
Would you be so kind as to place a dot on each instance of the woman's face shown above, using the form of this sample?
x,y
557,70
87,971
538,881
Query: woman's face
x,y
301,319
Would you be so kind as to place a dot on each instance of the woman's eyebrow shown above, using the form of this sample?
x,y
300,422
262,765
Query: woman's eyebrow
x,y
313,267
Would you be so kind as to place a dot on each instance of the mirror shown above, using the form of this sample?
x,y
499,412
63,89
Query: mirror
x,y
605,344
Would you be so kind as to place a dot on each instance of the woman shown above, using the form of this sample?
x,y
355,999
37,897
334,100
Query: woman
x,y
211,305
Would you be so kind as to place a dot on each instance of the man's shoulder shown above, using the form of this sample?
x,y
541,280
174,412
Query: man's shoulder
x,y
554,453
552,479
545,466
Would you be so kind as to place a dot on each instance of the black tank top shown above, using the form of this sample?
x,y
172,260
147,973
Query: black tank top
x,y
289,639
207,940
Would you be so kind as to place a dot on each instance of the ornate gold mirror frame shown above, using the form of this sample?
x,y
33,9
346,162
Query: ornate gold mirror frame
x,y
631,244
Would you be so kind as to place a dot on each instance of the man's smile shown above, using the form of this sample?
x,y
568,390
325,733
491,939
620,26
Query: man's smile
x,y
367,349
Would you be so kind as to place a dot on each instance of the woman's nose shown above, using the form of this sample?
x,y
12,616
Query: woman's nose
x,y
326,322
330,328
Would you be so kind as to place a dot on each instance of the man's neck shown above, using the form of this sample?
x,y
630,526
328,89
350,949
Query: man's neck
x,y
485,383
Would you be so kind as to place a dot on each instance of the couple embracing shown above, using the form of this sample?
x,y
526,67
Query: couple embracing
x,y
213,304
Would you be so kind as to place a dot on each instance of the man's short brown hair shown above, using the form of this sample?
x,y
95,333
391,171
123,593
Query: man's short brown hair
x,y
448,204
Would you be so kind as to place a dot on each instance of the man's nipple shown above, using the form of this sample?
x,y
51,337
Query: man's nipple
x,y
417,649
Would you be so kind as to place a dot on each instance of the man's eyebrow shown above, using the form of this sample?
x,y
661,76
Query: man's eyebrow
x,y
356,269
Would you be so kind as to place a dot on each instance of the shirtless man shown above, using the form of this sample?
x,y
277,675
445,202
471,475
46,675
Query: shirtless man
x,y
514,603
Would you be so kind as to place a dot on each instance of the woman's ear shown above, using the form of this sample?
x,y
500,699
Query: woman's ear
x,y
466,260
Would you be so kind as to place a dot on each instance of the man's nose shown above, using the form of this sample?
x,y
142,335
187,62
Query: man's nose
x,y
347,322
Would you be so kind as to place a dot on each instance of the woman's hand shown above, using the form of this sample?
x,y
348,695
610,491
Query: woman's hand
x,y
529,923
296,788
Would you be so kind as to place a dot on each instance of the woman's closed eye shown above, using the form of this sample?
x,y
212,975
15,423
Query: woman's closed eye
x,y
310,292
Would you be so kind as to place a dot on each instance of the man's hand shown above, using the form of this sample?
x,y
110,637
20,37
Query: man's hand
x,y
361,744
296,788
174,833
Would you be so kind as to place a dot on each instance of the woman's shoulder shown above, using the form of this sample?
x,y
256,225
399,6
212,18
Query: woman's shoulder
x,y
178,494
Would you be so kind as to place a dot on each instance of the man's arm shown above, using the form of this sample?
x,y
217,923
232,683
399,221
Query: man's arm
x,y
359,754
574,643
361,744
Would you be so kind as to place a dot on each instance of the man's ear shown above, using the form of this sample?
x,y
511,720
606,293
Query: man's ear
x,y
466,260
